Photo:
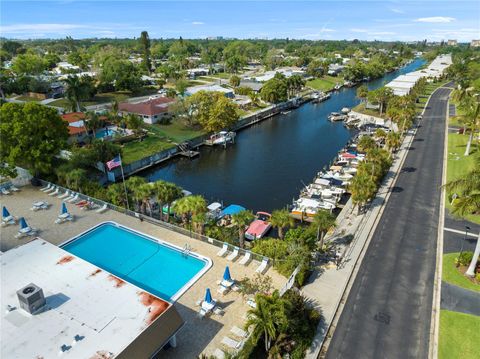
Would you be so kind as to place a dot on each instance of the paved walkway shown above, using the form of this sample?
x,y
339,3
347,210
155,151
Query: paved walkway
x,y
327,284
459,299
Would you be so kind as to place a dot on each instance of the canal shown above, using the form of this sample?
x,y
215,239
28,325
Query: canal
x,y
270,161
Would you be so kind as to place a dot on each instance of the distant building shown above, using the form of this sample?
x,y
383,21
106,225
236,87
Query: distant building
x,y
452,43
475,43
212,88
151,111
335,69
253,85
63,67
199,71
57,305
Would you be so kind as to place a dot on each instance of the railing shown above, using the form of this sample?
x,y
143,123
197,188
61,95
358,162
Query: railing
x,y
158,222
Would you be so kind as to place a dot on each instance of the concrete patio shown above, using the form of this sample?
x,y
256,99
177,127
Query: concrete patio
x,y
198,335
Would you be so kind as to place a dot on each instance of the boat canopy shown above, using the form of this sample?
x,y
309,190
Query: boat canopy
x,y
214,206
322,181
347,155
232,209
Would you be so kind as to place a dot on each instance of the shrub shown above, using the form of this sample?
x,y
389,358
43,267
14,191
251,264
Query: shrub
x,y
464,259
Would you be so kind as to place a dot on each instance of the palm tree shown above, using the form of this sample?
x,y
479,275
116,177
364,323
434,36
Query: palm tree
x,y
380,133
323,221
362,92
92,123
190,206
116,194
265,318
362,187
167,193
393,141
75,177
241,220
142,194
75,91
471,106
113,113
281,219
468,202
366,143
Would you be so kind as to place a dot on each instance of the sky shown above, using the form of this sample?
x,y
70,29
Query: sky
x,y
314,20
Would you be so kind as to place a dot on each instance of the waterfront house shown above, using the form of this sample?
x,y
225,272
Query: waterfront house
x,y
253,85
228,92
153,110
76,126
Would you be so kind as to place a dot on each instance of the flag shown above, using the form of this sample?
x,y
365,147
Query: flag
x,y
116,162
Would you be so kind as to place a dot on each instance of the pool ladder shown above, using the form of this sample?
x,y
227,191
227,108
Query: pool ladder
x,y
186,250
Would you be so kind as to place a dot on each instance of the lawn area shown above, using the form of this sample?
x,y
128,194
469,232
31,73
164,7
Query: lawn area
x,y
361,108
222,75
325,83
27,99
459,335
452,275
458,164
61,102
160,137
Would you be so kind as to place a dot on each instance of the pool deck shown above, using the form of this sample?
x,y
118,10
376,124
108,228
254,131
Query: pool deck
x,y
198,335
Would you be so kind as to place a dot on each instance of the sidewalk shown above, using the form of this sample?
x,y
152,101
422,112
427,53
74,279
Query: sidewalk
x,y
327,287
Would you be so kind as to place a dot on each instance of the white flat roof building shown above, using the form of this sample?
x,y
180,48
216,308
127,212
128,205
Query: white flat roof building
x,y
89,313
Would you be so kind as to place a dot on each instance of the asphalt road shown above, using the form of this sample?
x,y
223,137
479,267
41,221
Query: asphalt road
x,y
388,310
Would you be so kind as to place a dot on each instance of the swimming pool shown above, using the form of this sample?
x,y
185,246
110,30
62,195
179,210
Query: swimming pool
x,y
105,133
149,263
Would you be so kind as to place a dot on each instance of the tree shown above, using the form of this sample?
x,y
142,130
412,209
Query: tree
x,y
142,194
393,141
92,123
189,207
121,74
167,193
366,143
242,219
281,219
274,90
323,221
181,86
467,188
362,92
78,89
133,122
74,178
234,81
145,45
32,135
267,318
362,187
28,64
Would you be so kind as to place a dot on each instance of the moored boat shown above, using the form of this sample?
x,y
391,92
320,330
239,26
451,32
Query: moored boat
x,y
259,227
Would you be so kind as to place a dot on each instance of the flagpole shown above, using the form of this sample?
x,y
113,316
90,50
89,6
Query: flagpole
x,y
124,184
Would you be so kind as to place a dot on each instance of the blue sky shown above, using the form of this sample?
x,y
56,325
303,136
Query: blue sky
x,y
366,20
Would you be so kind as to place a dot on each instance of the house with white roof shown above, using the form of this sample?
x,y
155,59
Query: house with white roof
x,y
228,92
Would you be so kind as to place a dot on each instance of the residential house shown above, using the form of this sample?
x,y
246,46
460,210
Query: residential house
x,y
452,43
153,110
228,92
76,126
199,71
253,85
475,43
65,67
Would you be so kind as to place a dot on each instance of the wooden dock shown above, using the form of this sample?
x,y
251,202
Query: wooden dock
x,y
189,154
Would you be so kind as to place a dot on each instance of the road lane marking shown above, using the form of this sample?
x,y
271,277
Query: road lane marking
x,y
459,232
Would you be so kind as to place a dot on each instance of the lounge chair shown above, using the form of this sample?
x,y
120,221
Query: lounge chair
x,y
64,218
246,259
223,251
222,290
202,313
64,195
230,343
27,231
251,303
89,206
8,220
47,187
4,191
263,266
73,199
219,354
50,189
72,194
54,193
13,188
102,209
81,203
233,255
39,205
239,332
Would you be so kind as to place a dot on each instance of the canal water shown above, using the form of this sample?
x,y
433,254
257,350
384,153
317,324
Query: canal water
x,y
271,161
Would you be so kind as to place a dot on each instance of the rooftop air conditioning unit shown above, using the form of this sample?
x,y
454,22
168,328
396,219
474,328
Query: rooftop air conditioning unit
x,y
31,298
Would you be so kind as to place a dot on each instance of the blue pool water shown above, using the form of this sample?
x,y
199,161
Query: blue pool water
x,y
156,267
104,133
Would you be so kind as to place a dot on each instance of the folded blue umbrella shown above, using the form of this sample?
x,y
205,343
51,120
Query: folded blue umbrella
x,y
226,274
23,223
208,296
5,212
64,208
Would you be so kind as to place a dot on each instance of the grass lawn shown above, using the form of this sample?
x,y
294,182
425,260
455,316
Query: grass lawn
x,y
459,335
458,164
160,137
222,75
361,108
452,275
27,99
325,83
61,102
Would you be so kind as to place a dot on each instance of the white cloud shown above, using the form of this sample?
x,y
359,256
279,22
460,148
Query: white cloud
x,y
397,11
358,30
34,28
381,33
197,23
327,30
435,19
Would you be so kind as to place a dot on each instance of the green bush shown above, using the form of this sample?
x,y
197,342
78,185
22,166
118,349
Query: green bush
x,y
464,259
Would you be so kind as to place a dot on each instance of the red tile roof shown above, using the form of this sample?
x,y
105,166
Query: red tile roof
x,y
74,117
149,108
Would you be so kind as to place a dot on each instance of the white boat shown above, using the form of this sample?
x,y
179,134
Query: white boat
x,y
309,206
221,138
345,110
